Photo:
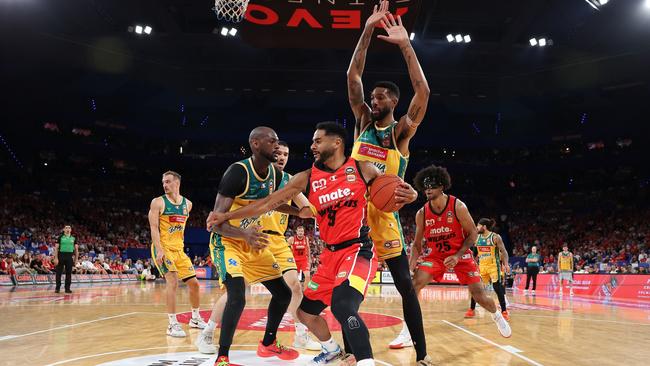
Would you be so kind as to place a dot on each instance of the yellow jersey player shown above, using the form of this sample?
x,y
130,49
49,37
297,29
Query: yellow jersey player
x,y
493,263
274,224
565,268
384,141
168,215
240,250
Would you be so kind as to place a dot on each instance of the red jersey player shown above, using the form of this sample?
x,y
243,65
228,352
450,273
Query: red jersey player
x,y
449,231
299,244
336,186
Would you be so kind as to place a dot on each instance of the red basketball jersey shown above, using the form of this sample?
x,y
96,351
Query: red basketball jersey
x,y
339,198
300,248
443,232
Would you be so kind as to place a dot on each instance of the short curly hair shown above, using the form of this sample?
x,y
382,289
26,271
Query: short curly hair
x,y
437,174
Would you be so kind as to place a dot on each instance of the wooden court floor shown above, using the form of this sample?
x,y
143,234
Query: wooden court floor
x,y
124,324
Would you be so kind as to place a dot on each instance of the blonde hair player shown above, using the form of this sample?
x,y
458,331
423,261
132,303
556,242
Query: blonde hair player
x,y
168,215
279,247
383,141
565,268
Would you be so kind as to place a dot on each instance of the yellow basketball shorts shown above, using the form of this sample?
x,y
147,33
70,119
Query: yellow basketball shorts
x,y
174,261
490,272
236,258
385,232
282,253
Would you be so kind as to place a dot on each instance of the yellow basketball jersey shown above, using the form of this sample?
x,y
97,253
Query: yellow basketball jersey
x,y
379,146
172,224
256,188
488,252
566,262
276,221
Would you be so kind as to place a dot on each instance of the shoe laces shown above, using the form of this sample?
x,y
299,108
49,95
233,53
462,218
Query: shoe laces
x,y
322,357
280,346
176,327
222,361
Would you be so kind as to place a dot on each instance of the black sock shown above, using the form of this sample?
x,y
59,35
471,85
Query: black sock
x,y
232,312
281,297
346,344
472,304
399,269
345,307
501,294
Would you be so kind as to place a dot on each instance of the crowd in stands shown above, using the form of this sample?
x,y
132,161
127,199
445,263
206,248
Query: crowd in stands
x,y
609,235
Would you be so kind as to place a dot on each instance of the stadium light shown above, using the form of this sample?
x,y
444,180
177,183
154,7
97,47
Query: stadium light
x,y
450,38
224,31
459,38
647,4
148,29
597,4
533,42
412,37
467,38
542,42
138,29
233,31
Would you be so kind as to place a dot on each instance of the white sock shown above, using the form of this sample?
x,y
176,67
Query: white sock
x,y
195,314
172,318
330,345
405,329
210,327
301,329
366,362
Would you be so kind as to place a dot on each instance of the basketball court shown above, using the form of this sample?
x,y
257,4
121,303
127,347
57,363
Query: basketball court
x,y
124,324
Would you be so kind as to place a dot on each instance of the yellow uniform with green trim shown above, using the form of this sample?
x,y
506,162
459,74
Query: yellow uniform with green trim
x,y
234,256
378,145
276,225
172,230
489,259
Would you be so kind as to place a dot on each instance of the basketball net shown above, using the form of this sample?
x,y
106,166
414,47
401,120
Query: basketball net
x,y
230,10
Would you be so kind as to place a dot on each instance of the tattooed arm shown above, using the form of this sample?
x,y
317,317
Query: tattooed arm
x,y
409,123
271,202
359,107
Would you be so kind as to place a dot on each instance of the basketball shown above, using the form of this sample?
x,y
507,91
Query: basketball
x,y
382,192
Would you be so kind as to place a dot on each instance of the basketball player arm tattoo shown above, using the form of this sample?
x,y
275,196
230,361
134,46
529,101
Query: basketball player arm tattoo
x,y
155,209
469,227
360,109
409,123
271,202
505,259
416,249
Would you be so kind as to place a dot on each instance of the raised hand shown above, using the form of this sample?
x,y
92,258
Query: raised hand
x,y
397,34
377,14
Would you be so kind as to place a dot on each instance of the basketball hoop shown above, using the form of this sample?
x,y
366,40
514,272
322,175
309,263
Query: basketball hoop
x,y
230,10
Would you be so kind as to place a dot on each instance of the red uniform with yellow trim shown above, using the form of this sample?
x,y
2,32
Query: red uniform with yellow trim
x,y
444,236
339,199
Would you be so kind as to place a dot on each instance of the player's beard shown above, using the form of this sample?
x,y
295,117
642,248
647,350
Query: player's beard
x,y
324,155
379,116
272,157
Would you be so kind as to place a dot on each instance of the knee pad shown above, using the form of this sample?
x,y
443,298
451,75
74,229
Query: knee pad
x,y
279,290
345,302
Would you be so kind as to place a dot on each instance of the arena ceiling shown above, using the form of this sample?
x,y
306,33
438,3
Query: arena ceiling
x,y
291,70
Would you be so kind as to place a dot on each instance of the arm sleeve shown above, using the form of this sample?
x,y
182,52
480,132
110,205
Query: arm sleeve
x,y
233,182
